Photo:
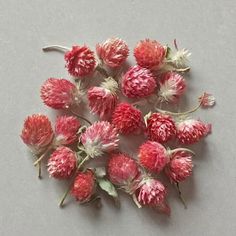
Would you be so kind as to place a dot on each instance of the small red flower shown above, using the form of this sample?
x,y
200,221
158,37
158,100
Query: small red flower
x,y
160,128
127,119
59,93
207,100
123,171
138,82
149,54
180,166
153,156
37,133
61,163
80,61
84,186
66,129
113,52
191,131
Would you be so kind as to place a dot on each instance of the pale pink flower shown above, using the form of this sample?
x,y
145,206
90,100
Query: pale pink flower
x,y
113,52
103,99
207,100
99,138
37,133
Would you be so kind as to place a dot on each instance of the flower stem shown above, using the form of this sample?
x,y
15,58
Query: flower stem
x,y
182,149
180,195
42,156
72,181
102,71
56,48
136,201
81,117
40,170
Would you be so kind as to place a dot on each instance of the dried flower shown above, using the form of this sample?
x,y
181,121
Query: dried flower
x,y
113,52
180,166
153,156
61,163
160,128
99,138
37,133
127,119
138,82
103,99
80,61
149,54
191,131
59,93
180,58
172,86
84,186
207,100
66,129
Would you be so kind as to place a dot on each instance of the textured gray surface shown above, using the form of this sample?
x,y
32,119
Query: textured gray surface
x,y
28,206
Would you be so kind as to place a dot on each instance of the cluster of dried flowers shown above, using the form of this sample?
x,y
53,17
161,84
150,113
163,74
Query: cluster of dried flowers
x,y
156,80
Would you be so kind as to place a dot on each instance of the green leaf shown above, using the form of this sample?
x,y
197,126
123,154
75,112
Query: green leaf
x,y
100,172
108,187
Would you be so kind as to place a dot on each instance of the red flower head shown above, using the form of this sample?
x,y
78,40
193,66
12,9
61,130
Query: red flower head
x,y
66,129
191,131
113,52
153,156
61,163
84,186
123,171
153,193
37,133
160,128
127,119
172,86
99,138
180,166
149,54
59,93
103,99
138,82
80,61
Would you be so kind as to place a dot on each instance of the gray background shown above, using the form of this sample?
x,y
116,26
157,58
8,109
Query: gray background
x,y
207,28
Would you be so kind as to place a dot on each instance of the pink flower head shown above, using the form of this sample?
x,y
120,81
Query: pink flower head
x,y
103,99
127,119
123,171
37,133
100,137
191,131
149,54
153,193
180,166
172,86
113,52
207,100
138,82
153,156
84,186
160,128
80,61
66,129
59,93
61,163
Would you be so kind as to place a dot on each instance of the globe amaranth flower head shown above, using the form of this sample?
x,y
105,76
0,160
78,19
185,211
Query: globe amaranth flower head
x,y
103,99
138,82
80,61
124,172
127,119
62,163
84,186
207,100
153,156
190,131
171,87
160,128
99,138
113,52
59,93
66,129
37,133
180,166
149,54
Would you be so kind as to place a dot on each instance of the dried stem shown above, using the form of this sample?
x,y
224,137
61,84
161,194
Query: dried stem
x,y
56,48
102,71
180,195
81,117
42,156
